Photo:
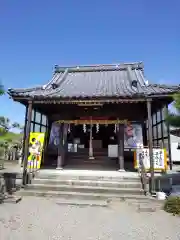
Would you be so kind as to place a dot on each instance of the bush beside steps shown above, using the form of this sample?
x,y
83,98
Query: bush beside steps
x,y
172,205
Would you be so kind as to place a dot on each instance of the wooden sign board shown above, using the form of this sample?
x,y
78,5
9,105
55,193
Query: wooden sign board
x,y
159,158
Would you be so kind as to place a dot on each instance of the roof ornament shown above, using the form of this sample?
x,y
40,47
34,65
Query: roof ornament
x,y
56,68
54,85
134,83
146,82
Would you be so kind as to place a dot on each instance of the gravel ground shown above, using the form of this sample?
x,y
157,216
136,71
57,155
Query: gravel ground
x,y
38,218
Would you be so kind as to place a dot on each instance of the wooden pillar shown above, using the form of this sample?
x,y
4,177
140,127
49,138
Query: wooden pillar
x,y
24,136
26,144
150,144
162,130
121,146
144,130
49,130
90,142
65,147
169,143
60,148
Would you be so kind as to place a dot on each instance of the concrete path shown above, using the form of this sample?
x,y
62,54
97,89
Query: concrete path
x,y
46,219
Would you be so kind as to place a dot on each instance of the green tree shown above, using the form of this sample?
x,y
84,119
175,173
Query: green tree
x,y
2,91
174,118
6,125
8,139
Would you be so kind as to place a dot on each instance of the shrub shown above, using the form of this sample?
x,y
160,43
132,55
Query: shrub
x,y
1,152
172,205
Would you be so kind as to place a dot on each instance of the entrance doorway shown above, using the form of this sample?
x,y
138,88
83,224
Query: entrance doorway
x,y
79,138
76,149
105,134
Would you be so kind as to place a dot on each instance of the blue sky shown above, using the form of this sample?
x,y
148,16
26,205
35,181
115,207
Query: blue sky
x,y
36,35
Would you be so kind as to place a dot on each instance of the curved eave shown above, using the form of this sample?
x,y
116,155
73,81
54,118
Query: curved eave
x,y
19,97
175,132
152,91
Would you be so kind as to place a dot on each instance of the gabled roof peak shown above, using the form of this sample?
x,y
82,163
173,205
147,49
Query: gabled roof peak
x,y
125,80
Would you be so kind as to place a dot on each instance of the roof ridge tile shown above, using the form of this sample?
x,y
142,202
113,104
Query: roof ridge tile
x,y
100,67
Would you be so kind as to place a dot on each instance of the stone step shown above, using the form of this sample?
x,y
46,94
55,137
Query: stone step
x,y
79,195
82,155
123,184
88,164
95,166
87,155
77,202
149,199
61,175
88,161
146,205
81,202
86,158
92,178
100,158
85,189
95,150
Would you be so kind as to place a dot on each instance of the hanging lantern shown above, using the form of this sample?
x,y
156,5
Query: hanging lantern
x,y
69,128
115,128
84,128
97,127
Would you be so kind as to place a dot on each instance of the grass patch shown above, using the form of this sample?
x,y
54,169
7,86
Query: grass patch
x,y
11,136
172,205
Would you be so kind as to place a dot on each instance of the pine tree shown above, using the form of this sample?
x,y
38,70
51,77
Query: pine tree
x,y
174,118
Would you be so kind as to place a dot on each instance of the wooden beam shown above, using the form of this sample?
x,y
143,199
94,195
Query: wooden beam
x,y
89,121
90,101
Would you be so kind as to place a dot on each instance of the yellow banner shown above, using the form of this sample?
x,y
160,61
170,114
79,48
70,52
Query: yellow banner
x,y
36,143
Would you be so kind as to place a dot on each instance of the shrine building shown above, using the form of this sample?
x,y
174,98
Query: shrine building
x,y
95,117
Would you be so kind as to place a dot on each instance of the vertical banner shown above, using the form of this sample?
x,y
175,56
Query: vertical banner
x,y
54,135
36,142
133,137
159,158
65,132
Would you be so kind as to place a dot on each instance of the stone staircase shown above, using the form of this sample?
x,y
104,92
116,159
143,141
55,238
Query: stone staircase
x,y
101,160
85,185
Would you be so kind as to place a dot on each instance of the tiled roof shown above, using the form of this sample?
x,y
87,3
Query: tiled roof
x,y
175,131
123,80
